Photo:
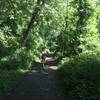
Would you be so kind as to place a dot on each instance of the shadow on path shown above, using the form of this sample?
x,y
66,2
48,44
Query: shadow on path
x,y
40,84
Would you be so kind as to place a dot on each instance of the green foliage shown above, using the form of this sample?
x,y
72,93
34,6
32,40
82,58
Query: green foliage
x,y
81,77
8,79
12,54
62,26
80,22
21,58
98,15
91,43
67,27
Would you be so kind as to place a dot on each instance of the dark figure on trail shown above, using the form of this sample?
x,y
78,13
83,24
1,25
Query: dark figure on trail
x,y
43,56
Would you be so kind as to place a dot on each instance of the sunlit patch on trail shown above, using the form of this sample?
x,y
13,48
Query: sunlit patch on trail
x,y
53,67
34,71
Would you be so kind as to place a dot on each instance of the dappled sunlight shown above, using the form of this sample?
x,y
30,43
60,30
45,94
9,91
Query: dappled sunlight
x,y
41,40
34,71
23,70
54,67
40,83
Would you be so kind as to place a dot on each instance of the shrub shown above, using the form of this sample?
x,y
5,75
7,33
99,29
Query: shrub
x,y
81,77
21,58
8,79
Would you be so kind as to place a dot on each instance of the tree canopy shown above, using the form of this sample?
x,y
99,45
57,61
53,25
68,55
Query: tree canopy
x,y
67,27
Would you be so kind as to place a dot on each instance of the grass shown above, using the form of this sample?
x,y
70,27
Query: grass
x,y
8,79
81,77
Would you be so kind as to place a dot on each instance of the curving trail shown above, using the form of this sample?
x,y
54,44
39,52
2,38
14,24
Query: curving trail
x,y
41,84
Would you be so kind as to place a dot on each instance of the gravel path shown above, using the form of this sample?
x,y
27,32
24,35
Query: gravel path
x,y
41,84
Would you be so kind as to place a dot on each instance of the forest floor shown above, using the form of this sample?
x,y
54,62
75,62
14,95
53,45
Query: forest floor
x,y
40,84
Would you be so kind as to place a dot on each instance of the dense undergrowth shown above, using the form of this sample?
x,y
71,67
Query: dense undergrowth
x,y
81,77
68,27
8,79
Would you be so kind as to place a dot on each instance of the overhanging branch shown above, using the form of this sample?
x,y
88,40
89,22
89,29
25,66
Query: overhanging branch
x,y
35,14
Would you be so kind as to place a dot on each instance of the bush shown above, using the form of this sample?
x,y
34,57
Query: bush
x,y
8,79
21,58
81,77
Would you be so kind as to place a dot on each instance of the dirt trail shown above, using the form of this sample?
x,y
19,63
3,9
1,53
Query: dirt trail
x,y
41,84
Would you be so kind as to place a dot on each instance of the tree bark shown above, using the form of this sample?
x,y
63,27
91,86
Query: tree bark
x,y
35,14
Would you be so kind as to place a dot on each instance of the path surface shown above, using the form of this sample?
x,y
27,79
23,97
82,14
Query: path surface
x,y
41,84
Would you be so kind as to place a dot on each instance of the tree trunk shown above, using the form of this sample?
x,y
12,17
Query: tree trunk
x,y
35,14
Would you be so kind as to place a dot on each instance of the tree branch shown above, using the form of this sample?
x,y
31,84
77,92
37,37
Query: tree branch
x,y
35,14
